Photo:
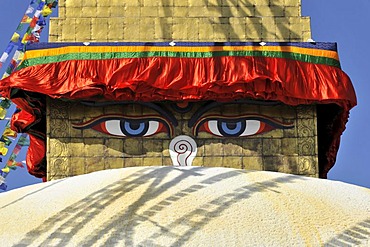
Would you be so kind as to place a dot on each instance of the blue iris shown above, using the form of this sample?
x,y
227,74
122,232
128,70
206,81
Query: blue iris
x,y
134,128
231,128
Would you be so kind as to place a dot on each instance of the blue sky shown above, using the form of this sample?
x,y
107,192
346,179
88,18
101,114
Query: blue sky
x,y
338,21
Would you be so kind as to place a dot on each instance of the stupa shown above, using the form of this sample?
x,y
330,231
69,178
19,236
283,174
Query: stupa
x,y
185,83
221,116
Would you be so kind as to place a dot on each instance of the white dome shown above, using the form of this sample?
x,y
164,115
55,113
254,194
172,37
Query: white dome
x,y
168,206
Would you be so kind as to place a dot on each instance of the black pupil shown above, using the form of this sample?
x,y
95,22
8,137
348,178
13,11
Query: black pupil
x,y
231,125
134,125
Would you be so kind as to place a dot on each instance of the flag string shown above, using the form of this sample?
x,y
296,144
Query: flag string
x,y
28,31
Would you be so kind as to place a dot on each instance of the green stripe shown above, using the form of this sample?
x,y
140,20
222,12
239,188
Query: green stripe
x,y
118,55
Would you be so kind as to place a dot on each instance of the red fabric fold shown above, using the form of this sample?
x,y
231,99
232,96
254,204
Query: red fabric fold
x,y
35,155
162,78
22,118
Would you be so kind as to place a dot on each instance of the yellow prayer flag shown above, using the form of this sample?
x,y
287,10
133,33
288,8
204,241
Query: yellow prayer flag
x,y
2,113
5,75
6,169
46,11
25,38
9,132
15,37
3,149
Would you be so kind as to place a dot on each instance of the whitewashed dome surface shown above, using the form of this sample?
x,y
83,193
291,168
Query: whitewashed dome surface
x,y
168,206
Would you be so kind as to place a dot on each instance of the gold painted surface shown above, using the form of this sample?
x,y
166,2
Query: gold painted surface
x,y
185,20
291,151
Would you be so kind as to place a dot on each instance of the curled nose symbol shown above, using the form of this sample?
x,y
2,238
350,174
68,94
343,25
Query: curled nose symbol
x,y
183,150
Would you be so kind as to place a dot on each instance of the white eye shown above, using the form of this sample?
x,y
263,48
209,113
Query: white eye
x,y
113,127
131,128
212,126
252,127
227,128
152,128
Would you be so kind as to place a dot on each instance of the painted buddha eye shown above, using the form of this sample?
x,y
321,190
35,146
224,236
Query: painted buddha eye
x,y
127,126
234,127
239,126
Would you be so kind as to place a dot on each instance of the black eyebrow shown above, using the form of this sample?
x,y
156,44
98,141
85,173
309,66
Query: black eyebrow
x,y
212,104
166,113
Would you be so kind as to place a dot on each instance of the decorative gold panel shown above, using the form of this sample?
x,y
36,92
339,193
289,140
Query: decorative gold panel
x,y
73,152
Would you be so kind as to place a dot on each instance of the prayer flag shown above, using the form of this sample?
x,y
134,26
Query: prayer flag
x,y
15,37
4,57
16,150
9,132
23,140
5,103
6,169
26,19
29,10
2,113
3,175
3,149
46,11
20,27
5,140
